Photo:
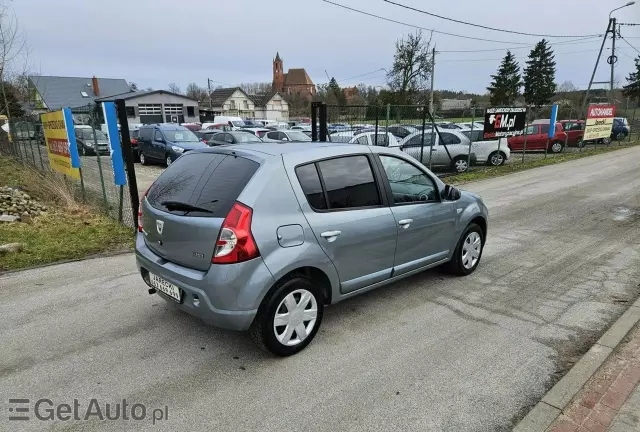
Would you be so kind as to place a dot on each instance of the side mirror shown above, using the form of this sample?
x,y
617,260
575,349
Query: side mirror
x,y
285,139
450,193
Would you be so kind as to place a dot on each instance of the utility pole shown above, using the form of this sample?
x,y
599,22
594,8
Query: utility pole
x,y
433,71
209,87
595,68
612,59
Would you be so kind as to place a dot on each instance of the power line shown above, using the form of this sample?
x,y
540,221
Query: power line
x,y
577,41
482,26
627,42
518,58
421,28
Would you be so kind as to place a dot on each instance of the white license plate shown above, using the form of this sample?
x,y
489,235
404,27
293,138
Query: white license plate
x,y
166,287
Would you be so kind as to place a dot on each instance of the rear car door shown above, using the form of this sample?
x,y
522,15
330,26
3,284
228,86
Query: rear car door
x,y
425,223
229,139
209,181
157,145
342,200
441,156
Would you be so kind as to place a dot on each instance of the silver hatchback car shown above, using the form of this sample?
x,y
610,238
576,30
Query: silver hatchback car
x,y
261,238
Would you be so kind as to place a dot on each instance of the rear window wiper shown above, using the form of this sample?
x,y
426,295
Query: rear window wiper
x,y
179,205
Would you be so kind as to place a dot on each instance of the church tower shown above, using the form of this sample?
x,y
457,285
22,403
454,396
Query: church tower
x,y
278,74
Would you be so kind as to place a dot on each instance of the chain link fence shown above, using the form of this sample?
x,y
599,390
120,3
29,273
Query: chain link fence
x,y
96,186
454,145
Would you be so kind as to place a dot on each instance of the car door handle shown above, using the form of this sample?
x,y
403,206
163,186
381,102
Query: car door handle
x,y
331,236
404,223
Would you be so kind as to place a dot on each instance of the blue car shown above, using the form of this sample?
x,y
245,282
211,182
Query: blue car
x,y
620,129
165,142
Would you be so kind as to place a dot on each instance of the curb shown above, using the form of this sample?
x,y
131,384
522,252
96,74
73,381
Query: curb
x,y
558,398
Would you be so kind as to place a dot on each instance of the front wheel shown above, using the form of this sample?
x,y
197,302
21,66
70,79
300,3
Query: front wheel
x,y
606,141
460,164
143,159
289,318
556,147
168,161
468,252
497,158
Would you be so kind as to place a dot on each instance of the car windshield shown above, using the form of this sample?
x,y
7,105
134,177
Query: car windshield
x,y
184,135
246,137
238,123
88,134
298,136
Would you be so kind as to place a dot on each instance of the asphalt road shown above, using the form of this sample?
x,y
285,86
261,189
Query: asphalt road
x,y
433,352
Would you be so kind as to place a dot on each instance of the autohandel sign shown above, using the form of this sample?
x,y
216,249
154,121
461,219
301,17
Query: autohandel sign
x,y
599,122
504,122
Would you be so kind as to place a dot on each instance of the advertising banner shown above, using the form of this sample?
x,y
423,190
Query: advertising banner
x,y
61,149
599,122
552,121
117,162
504,122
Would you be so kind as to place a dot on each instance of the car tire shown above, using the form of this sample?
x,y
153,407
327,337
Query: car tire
x,y
556,147
496,158
168,161
620,136
271,337
81,151
580,143
462,263
460,164
143,159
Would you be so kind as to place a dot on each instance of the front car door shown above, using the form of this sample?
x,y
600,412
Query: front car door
x,y
425,223
158,145
347,211
229,139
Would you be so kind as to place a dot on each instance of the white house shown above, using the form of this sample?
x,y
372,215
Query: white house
x,y
235,102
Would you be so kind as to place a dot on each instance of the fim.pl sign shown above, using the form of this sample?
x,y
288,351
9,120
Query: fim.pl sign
x,y
599,122
61,142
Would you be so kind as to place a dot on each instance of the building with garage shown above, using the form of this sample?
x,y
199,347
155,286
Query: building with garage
x,y
157,106
236,102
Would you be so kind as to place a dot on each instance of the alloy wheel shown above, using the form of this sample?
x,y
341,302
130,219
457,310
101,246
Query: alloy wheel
x,y
556,147
471,249
169,160
295,317
461,165
497,159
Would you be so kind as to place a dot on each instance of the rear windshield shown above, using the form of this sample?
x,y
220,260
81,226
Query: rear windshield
x,y
211,181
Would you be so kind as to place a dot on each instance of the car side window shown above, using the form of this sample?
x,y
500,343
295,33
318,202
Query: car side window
x,y
362,139
408,183
532,130
349,182
449,138
158,136
382,140
228,138
272,135
282,136
544,128
416,141
311,186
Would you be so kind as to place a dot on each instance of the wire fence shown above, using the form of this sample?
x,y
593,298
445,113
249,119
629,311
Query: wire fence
x,y
456,144
96,185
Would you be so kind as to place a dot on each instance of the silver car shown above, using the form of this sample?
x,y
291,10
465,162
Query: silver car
x,y
285,135
451,152
262,238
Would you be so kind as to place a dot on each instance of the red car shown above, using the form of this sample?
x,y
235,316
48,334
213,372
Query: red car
x,y
574,130
537,135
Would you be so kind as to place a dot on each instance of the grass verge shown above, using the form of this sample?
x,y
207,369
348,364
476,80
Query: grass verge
x,y
490,172
69,230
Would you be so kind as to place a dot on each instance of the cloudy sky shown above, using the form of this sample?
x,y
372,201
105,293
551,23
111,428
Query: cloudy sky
x,y
154,42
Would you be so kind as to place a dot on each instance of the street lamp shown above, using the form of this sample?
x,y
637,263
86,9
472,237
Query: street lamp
x,y
631,3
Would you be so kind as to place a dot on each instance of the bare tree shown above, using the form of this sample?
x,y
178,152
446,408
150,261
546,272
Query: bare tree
x,y
256,88
12,48
411,67
194,91
174,88
566,87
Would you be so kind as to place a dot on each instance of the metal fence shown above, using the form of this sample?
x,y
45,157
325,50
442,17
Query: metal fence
x,y
96,185
454,145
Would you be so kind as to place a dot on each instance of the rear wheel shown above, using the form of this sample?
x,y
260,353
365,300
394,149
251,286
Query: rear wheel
x,y
606,141
460,164
288,318
497,158
468,252
620,136
168,160
143,159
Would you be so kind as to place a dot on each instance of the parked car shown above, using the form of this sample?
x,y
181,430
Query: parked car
x,y
366,138
261,238
401,131
338,127
253,124
302,127
193,127
257,131
206,134
212,126
574,130
620,129
447,125
233,137
536,136
165,142
133,138
234,122
285,135
490,152
452,153
86,142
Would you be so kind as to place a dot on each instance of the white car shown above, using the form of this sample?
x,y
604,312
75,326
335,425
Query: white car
x,y
365,138
493,152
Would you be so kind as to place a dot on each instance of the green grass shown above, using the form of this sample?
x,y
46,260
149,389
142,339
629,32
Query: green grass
x,y
490,172
63,233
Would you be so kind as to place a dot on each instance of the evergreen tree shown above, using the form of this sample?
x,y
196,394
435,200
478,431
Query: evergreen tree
x,y
539,75
505,85
15,107
632,89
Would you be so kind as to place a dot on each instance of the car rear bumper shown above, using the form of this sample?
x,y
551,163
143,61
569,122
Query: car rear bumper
x,y
227,297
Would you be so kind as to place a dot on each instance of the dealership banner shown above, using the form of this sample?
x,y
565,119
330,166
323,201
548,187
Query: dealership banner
x,y
504,122
599,122
61,145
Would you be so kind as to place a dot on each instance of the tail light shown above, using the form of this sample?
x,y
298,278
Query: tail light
x,y
140,209
236,243
133,141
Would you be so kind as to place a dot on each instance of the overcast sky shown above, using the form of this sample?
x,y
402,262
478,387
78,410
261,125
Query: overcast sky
x,y
154,42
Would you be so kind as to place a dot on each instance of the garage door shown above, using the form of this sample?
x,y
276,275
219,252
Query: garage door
x,y
150,113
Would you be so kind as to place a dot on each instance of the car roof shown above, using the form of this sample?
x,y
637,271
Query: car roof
x,y
276,149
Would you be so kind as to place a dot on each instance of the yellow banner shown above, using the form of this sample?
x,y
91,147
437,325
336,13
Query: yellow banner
x,y
597,128
57,141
